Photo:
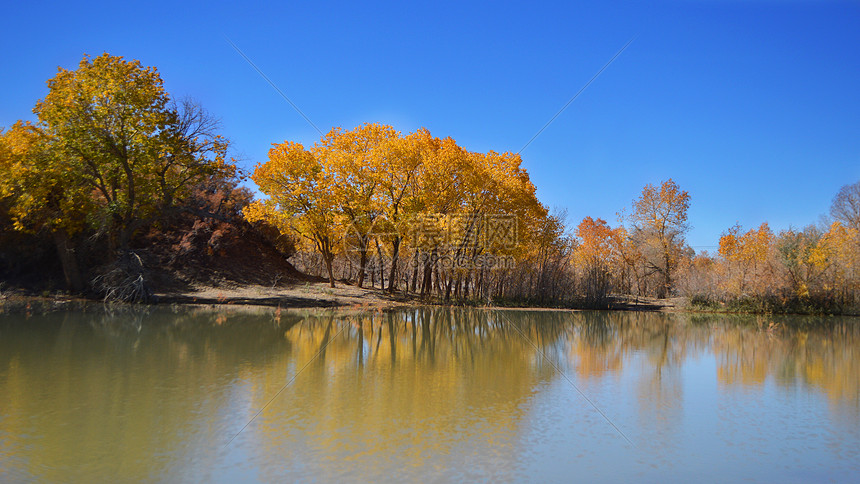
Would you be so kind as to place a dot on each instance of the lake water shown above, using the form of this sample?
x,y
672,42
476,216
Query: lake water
x,y
191,395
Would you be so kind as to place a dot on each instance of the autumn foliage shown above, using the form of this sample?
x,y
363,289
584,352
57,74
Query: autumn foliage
x,y
423,215
813,269
113,164
110,158
409,211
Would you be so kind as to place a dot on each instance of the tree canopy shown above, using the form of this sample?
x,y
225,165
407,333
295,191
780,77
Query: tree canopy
x,y
375,186
110,152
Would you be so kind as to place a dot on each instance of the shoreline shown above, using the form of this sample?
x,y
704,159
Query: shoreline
x,y
318,295
300,295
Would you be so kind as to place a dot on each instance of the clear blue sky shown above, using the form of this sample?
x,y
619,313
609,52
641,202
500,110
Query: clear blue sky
x,y
753,107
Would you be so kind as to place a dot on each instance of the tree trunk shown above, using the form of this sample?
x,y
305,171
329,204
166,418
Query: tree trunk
x,y
392,278
381,265
362,263
69,261
415,272
667,277
427,282
328,266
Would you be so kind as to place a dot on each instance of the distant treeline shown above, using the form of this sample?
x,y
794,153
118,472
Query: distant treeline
x,y
423,215
113,161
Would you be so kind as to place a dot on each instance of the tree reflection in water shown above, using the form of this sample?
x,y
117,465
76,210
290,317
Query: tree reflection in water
x,y
402,393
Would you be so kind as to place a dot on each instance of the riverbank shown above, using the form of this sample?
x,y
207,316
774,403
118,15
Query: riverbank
x,y
304,295
311,294
301,295
317,294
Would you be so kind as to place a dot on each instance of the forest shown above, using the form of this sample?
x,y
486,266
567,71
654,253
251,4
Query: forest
x,y
118,189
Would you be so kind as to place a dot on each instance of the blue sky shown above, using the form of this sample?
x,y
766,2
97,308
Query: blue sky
x,y
752,107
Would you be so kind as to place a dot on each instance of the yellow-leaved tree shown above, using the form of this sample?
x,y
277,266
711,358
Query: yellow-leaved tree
x,y
599,254
397,172
747,261
413,196
355,159
659,222
299,187
111,152
42,193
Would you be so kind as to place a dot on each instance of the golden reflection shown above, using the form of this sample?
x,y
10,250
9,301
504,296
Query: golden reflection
x,y
137,394
822,354
415,384
119,395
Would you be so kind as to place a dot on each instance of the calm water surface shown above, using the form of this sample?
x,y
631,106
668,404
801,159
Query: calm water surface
x,y
430,395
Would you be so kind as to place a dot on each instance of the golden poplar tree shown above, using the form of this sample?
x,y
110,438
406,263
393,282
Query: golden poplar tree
x,y
299,187
659,220
110,152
